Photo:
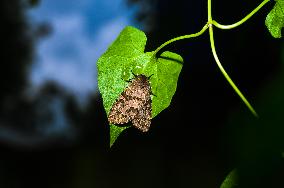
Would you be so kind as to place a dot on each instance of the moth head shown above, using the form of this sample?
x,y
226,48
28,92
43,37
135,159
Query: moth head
x,y
142,78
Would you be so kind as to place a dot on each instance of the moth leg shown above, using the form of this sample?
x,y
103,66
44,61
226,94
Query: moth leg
x,y
153,94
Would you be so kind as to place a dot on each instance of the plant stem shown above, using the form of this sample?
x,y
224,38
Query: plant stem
x,y
242,20
181,38
209,12
220,65
210,24
226,75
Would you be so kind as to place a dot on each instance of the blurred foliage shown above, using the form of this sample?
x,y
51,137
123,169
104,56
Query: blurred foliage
x,y
16,50
259,143
232,180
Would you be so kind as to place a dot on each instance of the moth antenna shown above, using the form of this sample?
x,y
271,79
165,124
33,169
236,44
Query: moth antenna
x,y
150,76
133,73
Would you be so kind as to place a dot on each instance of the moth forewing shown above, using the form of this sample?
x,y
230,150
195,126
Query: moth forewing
x,y
134,104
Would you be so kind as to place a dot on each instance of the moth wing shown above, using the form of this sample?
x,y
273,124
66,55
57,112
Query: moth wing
x,y
124,109
134,104
142,120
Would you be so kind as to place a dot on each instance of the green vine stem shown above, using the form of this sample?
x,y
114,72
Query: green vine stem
x,y
210,23
226,75
205,27
220,26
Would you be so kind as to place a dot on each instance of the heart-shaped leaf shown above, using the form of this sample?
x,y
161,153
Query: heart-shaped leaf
x,y
126,56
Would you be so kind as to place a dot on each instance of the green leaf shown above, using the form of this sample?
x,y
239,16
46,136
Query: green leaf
x,y
126,55
115,132
231,180
275,19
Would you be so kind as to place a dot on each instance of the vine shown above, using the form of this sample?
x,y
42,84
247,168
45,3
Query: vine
x,y
210,23
126,56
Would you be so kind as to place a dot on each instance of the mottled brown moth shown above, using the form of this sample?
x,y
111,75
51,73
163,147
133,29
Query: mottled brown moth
x,y
134,104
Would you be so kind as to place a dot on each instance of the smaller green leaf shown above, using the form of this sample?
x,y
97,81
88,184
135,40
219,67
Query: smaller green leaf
x,y
275,19
231,181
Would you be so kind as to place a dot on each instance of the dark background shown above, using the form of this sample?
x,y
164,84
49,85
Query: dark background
x,y
205,133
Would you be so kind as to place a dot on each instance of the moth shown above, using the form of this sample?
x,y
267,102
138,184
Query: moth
x,y
134,104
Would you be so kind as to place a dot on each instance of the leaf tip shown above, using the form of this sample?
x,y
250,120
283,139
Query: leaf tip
x,y
115,131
